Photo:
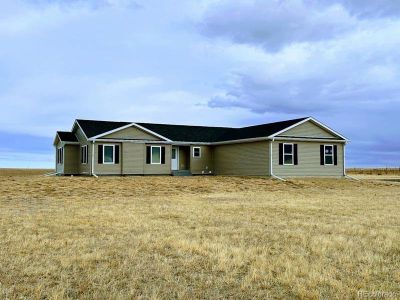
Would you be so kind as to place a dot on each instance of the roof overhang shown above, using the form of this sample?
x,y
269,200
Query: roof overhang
x,y
312,120
76,123
127,126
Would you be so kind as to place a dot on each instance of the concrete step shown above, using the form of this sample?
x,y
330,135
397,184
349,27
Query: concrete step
x,y
181,173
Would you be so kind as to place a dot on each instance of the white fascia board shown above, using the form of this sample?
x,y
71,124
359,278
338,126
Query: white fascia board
x,y
290,127
131,141
180,143
328,129
312,120
151,132
305,139
55,138
127,126
77,123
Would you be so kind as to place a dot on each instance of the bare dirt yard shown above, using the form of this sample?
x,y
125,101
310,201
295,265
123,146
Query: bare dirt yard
x,y
196,237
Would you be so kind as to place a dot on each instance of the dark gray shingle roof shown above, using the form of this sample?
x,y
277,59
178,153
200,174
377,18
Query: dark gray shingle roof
x,y
188,133
66,136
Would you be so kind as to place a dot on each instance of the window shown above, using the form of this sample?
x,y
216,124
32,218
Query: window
x,y
173,155
108,154
328,155
196,152
288,154
60,155
155,155
84,154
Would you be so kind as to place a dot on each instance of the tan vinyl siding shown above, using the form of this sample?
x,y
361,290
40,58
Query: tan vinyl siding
x,y
308,161
202,164
242,159
84,168
131,133
71,159
107,169
308,129
159,169
133,158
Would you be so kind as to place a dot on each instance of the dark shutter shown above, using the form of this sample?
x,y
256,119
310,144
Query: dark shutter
x,y
321,155
296,160
81,155
163,155
281,153
116,154
100,154
335,154
148,154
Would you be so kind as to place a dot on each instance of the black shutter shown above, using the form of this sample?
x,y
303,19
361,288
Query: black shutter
x,y
163,155
116,154
321,155
148,154
81,155
335,154
296,159
100,154
280,153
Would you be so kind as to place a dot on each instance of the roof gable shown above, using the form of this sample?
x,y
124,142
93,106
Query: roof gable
x,y
203,134
132,133
308,129
92,128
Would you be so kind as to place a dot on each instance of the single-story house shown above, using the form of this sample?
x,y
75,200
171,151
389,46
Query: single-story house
x,y
299,147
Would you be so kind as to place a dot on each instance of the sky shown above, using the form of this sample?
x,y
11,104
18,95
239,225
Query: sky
x,y
202,62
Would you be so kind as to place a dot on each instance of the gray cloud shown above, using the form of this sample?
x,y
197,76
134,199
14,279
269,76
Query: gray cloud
x,y
276,24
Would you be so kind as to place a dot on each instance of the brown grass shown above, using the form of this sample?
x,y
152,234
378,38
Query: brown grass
x,y
374,171
196,237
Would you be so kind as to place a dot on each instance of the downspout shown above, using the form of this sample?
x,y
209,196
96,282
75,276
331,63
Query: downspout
x,y
92,166
270,161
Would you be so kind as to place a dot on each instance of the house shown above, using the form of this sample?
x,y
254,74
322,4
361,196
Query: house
x,y
299,147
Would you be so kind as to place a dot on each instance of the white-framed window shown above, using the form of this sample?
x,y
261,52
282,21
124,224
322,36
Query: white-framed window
x,y
84,154
155,155
60,155
288,154
328,155
108,154
196,152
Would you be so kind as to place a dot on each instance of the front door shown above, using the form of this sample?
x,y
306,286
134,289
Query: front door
x,y
175,158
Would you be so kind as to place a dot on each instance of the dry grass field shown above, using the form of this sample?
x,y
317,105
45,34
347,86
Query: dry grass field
x,y
196,237
374,171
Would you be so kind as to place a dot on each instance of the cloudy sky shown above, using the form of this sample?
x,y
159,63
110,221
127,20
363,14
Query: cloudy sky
x,y
206,62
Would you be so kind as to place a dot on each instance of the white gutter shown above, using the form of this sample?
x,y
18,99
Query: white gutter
x,y
306,139
270,161
130,141
92,166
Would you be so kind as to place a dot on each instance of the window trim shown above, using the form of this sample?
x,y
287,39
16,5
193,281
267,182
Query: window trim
x,y
332,155
104,152
292,154
85,154
199,152
60,155
151,155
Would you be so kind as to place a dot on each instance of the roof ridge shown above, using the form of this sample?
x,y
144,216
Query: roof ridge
x,y
187,125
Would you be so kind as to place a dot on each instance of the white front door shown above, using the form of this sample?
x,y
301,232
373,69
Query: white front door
x,y
175,158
